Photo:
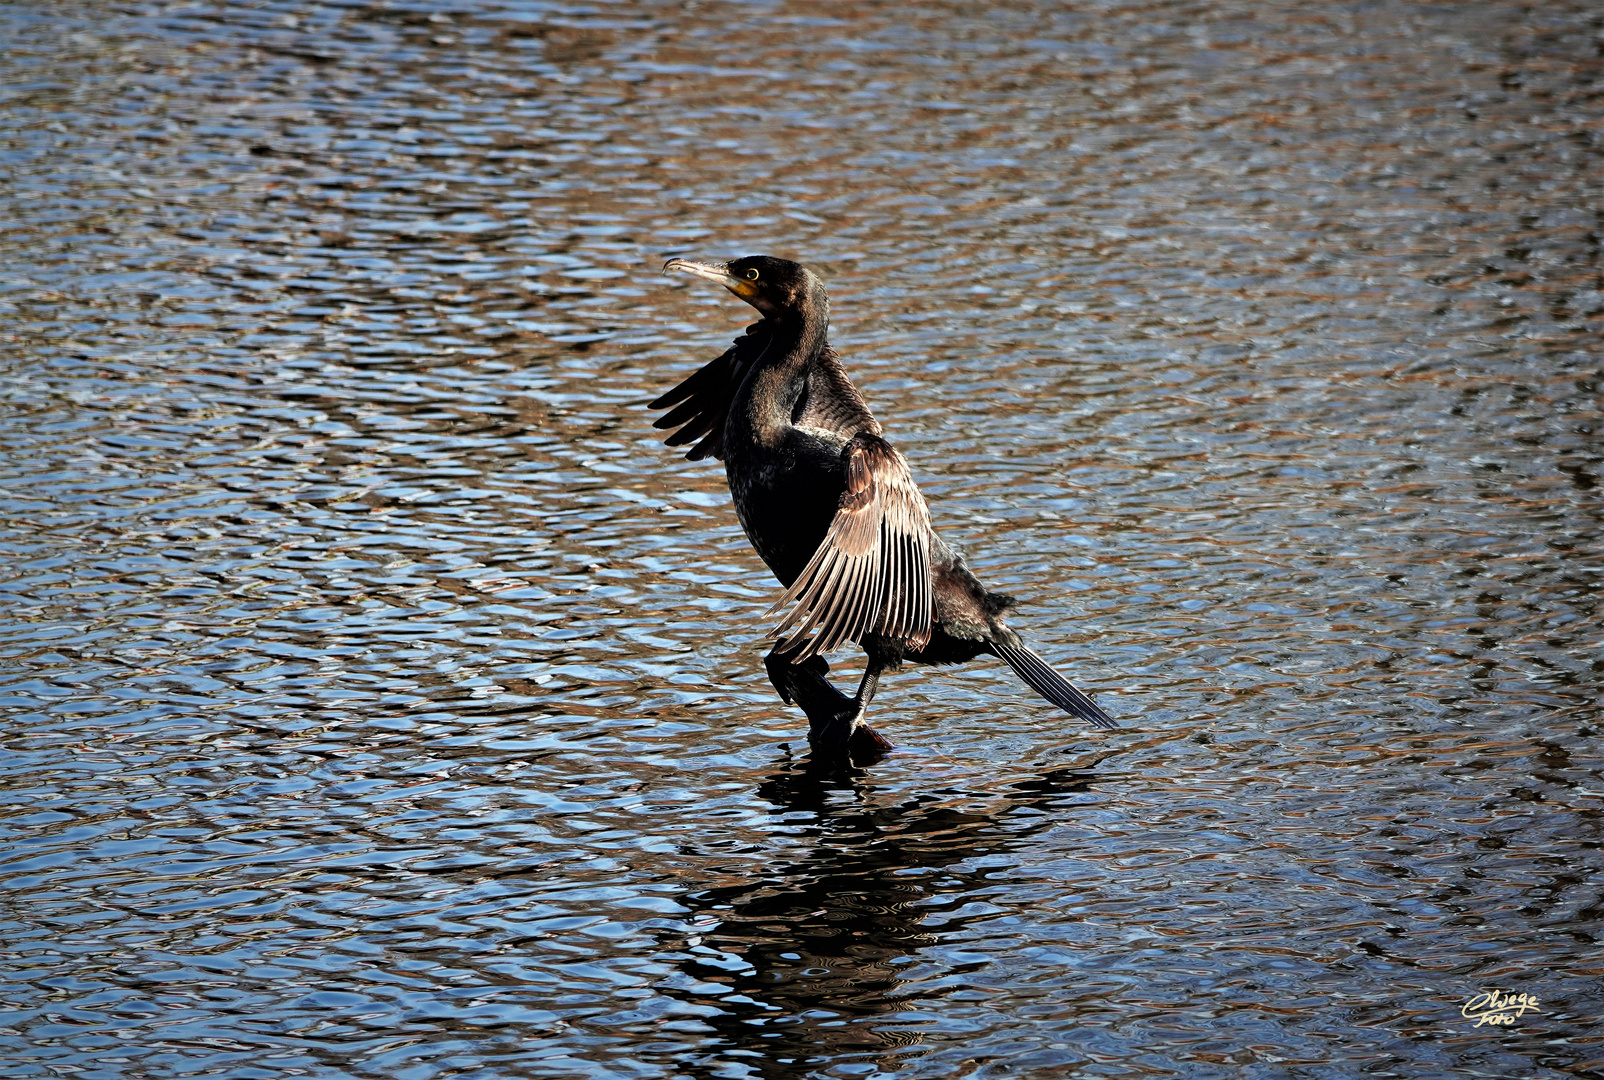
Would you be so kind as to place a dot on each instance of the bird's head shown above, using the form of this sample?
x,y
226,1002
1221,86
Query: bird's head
x,y
776,287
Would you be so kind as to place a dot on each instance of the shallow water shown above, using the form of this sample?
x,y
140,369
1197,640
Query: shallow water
x,y
382,699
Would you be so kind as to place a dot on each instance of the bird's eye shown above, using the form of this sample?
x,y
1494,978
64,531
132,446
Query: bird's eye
x,y
751,275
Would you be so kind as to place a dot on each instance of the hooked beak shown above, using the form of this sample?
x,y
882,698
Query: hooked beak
x,y
718,272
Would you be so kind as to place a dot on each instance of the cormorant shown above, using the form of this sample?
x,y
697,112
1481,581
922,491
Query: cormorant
x,y
830,505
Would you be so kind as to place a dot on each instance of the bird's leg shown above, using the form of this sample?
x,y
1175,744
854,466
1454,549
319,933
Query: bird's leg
x,y
835,721
866,688
804,684
847,729
862,737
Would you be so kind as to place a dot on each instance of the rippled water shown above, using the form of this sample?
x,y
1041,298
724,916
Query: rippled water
x,y
382,699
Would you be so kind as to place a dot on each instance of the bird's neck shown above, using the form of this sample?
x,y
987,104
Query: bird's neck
x,y
768,397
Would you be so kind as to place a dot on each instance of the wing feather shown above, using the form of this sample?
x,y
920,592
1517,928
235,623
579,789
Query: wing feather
x,y
831,402
701,403
871,574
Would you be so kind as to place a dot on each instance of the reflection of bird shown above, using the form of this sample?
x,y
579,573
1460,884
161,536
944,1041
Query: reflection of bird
x,y
809,962
831,507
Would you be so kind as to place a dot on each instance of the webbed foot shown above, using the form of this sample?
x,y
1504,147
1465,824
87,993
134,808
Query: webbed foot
x,y
843,735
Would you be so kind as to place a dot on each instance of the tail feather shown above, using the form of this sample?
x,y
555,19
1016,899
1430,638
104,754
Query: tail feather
x,y
1053,686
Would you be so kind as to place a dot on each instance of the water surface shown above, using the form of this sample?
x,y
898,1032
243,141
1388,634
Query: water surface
x,y
381,699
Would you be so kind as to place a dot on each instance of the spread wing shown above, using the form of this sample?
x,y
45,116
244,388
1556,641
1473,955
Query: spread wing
x,y
702,402
871,574
830,401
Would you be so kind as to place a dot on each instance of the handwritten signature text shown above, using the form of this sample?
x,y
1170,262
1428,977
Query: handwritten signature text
x,y
1492,1007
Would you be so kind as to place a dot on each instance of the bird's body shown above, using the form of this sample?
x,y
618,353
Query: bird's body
x,y
832,508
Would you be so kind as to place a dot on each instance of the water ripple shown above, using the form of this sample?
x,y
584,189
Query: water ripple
x,y
381,698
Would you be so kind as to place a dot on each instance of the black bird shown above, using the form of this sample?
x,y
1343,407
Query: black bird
x,y
830,505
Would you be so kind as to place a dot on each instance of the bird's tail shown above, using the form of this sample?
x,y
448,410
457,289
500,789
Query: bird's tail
x,y
1051,685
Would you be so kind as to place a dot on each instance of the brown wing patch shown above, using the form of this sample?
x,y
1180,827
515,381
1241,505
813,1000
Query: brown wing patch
x,y
871,574
831,401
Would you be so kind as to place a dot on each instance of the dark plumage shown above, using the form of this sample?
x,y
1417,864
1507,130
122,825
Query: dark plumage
x,y
830,505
